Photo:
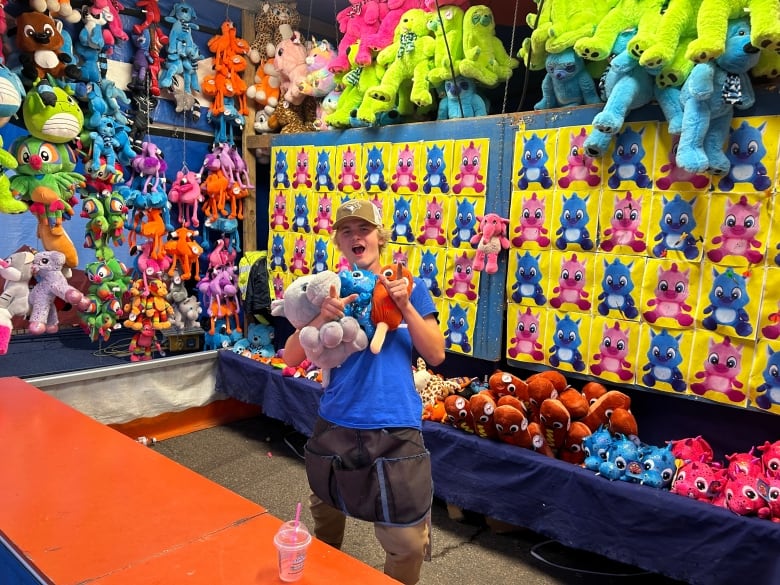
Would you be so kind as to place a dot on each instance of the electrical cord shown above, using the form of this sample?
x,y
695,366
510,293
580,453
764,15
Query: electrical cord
x,y
536,554
528,64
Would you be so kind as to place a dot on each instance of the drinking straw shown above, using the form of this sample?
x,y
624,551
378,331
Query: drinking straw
x,y
297,516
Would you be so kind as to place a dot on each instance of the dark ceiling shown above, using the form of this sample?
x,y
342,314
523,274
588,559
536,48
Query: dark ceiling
x,y
323,12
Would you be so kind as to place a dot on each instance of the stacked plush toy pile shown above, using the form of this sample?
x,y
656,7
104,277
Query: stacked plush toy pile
x,y
747,483
397,60
594,428
692,57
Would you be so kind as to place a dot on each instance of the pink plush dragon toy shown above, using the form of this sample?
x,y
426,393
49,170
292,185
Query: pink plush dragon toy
x,y
491,238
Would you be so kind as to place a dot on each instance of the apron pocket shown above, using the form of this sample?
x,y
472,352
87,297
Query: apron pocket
x,y
320,470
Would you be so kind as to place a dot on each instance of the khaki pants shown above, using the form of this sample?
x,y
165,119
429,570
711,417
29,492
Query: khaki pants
x,y
405,546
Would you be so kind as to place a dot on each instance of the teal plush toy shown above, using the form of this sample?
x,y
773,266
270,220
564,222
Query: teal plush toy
x,y
629,86
709,96
567,82
259,340
461,100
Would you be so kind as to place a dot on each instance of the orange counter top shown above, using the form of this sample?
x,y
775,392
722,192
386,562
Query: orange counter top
x,y
81,502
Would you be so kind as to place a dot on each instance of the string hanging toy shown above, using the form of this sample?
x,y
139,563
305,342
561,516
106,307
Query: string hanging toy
x,y
182,55
226,86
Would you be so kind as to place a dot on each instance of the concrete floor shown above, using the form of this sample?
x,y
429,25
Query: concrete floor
x,y
261,459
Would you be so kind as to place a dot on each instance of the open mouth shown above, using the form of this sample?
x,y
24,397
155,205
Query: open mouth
x,y
358,250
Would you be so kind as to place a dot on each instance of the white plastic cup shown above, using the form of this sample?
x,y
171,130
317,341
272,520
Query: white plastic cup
x,y
292,543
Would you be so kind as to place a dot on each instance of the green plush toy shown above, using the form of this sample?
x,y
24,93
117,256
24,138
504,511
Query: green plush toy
x,y
768,65
712,21
573,20
532,51
656,42
408,59
485,59
59,123
625,15
356,83
8,203
674,73
447,27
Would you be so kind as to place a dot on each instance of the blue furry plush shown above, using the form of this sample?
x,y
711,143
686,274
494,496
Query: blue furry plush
x,y
461,100
259,340
629,86
567,83
709,96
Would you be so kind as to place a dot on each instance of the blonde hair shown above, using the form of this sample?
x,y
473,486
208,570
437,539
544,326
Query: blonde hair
x,y
383,233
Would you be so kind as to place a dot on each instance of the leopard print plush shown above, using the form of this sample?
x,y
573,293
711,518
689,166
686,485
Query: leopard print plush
x,y
293,119
273,21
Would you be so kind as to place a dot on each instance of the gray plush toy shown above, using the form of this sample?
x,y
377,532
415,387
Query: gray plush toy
x,y
332,343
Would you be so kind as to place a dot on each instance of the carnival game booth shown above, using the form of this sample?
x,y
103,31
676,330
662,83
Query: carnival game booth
x,y
624,259
527,166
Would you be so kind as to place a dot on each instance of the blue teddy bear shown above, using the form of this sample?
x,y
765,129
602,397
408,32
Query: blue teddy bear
x,y
709,96
567,82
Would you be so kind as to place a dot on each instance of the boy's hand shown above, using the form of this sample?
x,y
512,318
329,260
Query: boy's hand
x,y
332,308
397,289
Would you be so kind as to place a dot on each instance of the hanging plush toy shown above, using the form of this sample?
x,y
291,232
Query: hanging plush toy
x,y
358,21
45,180
274,21
40,43
408,58
60,120
12,95
144,343
8,203
182,53
490,239
447,27
567,82
485,59
461,100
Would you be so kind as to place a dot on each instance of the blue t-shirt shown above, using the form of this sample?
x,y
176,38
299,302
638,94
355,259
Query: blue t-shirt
x,y
370,391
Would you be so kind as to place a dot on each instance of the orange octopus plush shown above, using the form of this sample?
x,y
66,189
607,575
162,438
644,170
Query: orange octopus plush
x,y
384,312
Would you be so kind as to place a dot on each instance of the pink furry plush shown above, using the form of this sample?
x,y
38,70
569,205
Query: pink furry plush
x,y
290,61
358,21
384,35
